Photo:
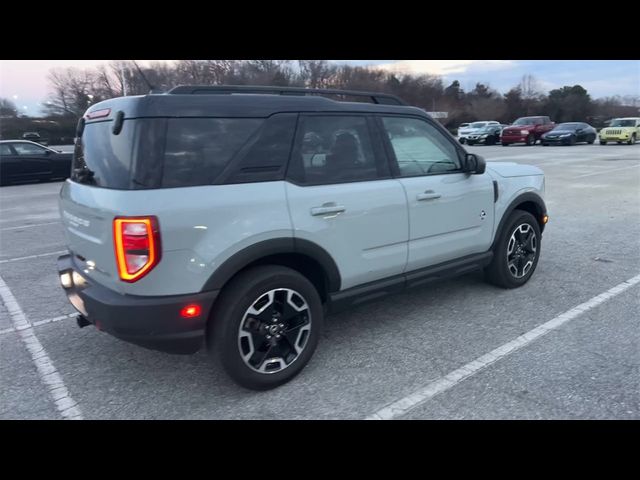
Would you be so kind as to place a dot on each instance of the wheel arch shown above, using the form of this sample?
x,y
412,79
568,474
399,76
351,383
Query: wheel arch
x,y
304,256
529,202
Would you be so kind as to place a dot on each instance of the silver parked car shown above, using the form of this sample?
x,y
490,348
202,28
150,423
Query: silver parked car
x,y
203,217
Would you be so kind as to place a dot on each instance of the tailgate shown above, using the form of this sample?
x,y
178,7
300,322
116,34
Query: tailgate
x,y
87,222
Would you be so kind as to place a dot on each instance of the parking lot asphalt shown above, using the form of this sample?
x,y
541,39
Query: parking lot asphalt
x,y
379,353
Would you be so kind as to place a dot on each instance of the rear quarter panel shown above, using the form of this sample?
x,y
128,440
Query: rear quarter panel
x,y
200,227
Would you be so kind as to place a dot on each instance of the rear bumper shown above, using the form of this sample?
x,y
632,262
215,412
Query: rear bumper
x,y
151,322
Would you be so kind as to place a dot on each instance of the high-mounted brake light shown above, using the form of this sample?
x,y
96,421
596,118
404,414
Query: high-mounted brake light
x,y
137,246
98,113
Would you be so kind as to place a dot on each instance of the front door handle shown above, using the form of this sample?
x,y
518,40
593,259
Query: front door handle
x,y
428,195
330,208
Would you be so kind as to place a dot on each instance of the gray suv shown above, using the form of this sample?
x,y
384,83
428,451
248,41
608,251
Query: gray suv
x,y
238,217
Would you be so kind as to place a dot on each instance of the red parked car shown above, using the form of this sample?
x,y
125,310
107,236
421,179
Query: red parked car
x,y
526,130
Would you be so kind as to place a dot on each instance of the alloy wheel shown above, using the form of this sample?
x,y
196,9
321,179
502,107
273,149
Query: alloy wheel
x,y
274,330
521,250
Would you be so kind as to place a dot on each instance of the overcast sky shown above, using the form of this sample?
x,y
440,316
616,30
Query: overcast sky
x,y
25,81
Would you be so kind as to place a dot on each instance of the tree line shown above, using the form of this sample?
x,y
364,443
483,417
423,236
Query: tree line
x,y
74,90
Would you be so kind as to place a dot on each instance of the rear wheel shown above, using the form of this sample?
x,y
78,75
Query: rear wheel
x,y
531,140
265,326
516,251
505,144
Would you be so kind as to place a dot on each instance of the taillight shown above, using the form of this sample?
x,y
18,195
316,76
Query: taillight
x,y
137,246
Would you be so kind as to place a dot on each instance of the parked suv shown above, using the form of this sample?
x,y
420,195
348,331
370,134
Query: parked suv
x,y
526,130
201,216
621,130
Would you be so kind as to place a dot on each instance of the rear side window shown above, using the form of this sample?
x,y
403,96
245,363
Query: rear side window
x,y
335,149
198,149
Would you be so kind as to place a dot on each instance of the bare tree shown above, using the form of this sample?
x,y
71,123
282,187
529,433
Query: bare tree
x,y
7,108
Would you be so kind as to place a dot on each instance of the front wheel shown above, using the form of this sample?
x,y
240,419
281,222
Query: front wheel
x,y
265,326
516,251
531,140
632,140
505,144
602,142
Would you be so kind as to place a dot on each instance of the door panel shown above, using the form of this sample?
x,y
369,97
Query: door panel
x,y
33,160
364,226
341,197
456,221
451,213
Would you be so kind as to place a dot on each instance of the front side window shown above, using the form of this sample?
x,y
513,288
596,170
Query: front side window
x,y
420,149
28,149
5,149
334,149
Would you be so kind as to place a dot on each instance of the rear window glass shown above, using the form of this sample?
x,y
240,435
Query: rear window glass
x,y
102,159
198,149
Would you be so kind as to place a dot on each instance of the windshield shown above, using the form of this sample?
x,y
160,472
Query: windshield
x,y
623,123
528,121
478,125
568,126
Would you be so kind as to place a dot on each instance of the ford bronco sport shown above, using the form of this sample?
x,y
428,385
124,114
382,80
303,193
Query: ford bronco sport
x,y
237,217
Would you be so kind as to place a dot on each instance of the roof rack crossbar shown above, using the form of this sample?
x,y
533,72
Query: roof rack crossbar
x,y
375,97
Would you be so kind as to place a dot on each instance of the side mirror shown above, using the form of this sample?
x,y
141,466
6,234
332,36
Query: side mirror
x,y
474,163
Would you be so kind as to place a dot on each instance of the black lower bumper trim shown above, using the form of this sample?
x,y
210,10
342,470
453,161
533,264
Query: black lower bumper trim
x,y
151,322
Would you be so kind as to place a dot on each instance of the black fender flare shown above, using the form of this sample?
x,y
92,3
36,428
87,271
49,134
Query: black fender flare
x,y
541,210
274,246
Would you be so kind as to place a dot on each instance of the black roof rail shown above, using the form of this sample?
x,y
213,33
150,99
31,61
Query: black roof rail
x,y
375,97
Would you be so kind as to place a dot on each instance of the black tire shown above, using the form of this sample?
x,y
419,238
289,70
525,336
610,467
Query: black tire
x,y
544,144
602,142
498,271
592,140
531,140
572,141
632,140
242,292
505,144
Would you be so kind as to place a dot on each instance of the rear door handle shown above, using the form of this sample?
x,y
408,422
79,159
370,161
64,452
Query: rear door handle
x,y
428,195
330,208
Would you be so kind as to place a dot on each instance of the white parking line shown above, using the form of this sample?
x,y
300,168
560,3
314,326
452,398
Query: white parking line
x,y
420,396
41,322
68,408
32,256
29,226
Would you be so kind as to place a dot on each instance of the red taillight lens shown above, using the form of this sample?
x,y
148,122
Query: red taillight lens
x,y
137,246
190,311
